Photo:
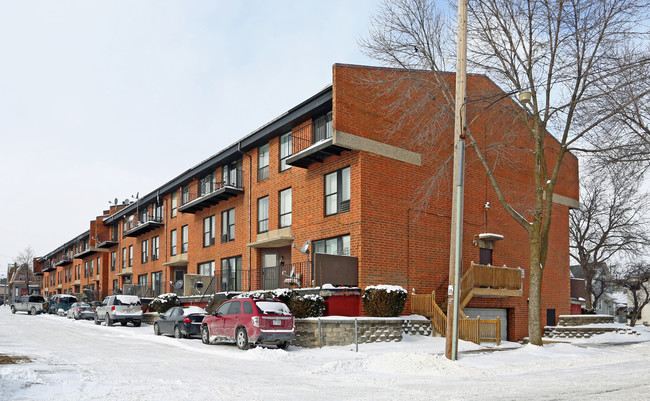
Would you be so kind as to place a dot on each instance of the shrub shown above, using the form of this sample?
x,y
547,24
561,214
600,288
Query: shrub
x,y
163,302
384,300
308,305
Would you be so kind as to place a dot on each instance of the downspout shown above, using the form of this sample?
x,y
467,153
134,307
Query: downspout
x,y
250,239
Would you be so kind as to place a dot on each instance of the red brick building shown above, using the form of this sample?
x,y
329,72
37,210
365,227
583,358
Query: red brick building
x,y
342,171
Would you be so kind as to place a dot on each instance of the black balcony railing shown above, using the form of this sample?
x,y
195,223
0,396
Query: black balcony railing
x,y
106,239
312,143
143,225
64,260
203,194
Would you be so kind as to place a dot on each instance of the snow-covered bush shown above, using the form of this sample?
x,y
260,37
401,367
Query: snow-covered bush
x,y
163,302
384,300
308,305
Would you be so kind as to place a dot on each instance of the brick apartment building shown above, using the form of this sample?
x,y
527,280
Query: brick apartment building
x,y
342,172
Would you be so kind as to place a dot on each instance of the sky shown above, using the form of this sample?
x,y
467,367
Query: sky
x,y
104,99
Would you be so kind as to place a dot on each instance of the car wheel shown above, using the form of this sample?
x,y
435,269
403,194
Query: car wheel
x,y
137,324
33,311
156,329
76,317
177,332
205,335
97,322
283,345
241,337
13,309
109,321
123,323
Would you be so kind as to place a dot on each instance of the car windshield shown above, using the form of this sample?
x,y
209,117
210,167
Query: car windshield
x,y
273,307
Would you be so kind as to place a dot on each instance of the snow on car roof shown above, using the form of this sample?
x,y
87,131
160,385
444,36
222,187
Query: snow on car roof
x,y
193,309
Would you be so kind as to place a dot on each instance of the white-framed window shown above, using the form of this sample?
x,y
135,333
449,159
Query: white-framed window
x,y
285,208
185,237
263,214
286,150
174,203
155,248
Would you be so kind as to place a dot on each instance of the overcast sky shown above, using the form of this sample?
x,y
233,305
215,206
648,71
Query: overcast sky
x,y
103,99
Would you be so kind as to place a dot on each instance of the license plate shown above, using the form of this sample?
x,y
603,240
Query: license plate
x,y
277,322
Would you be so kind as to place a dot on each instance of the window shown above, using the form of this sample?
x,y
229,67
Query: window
x,y
115,285
209,229
323,127
231,176
231,274
285,208
123,257
157,212
173,242
113,260
142,280
174,203
155,247
145,251
263,162
263,214
228,225
333,246
130,255
143,215
337,191
156,283
185,195
92,263
85,269
184,239
207,184
206,268
286,150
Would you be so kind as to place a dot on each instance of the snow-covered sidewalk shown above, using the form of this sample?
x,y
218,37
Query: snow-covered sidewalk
x,y
79,360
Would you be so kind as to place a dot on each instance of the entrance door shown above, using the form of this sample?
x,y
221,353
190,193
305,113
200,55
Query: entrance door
x,y
270,271
178,281
550,317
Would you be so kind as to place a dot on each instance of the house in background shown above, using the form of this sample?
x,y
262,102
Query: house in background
x,y
331,191
613,303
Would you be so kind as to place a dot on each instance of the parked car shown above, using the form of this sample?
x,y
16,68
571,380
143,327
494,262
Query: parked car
x,y
119,308
248,321
32,304
180,322
81,310
60,303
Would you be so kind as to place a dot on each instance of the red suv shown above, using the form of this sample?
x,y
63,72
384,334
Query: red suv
x,y
248,321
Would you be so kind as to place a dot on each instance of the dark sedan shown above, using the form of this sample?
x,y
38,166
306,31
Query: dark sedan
x,y
180,322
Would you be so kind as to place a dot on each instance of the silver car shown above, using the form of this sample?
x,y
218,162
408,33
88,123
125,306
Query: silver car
x,y
119,308
32,304
80,310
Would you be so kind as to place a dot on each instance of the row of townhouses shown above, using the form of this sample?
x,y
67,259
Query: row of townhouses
x,y
334,191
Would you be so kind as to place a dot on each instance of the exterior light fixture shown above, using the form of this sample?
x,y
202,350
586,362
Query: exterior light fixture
x,y
525,97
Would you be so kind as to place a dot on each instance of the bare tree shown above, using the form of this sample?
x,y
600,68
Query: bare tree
x,y
611,221
26,257
635,278
566,54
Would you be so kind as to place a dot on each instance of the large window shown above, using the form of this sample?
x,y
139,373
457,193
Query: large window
x,y
173,243
85,269
263,162
123,257
145,251
185,194
231,274
231,176
323,127
92,268
209,229
185,237
285,208
285,150
263,214
142,280
206,268
130,255
228,225
156,284
207,184
337,191
333,246
155,248
174,203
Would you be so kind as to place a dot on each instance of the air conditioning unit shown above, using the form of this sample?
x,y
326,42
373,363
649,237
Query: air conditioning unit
x,y
224,238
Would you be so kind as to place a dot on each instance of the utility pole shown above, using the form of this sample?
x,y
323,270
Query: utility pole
x,y
456,247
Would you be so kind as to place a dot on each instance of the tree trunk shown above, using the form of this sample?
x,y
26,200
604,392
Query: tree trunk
x,y
588,286
535,291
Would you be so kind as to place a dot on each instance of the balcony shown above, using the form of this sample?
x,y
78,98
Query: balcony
x,y
86,252
490,281
206,194
313,144
326,269
144,225
49,267
65,260
106,239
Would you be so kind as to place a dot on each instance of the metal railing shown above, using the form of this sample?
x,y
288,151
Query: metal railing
x,y
308,135
144,219
202,188
107,236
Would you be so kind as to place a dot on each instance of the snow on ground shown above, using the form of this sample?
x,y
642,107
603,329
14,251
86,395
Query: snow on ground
x,y
79,360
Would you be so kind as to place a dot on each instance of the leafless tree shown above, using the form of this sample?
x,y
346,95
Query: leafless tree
x,y
635,279
567,54
611,222
26,257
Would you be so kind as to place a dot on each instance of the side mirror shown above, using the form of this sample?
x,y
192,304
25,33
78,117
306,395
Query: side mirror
x,y
214,313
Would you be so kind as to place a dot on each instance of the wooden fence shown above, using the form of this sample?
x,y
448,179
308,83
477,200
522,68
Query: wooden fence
x,y
475,330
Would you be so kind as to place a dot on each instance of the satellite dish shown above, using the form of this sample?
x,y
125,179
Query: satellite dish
x,y
198,285
305,247
179,284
